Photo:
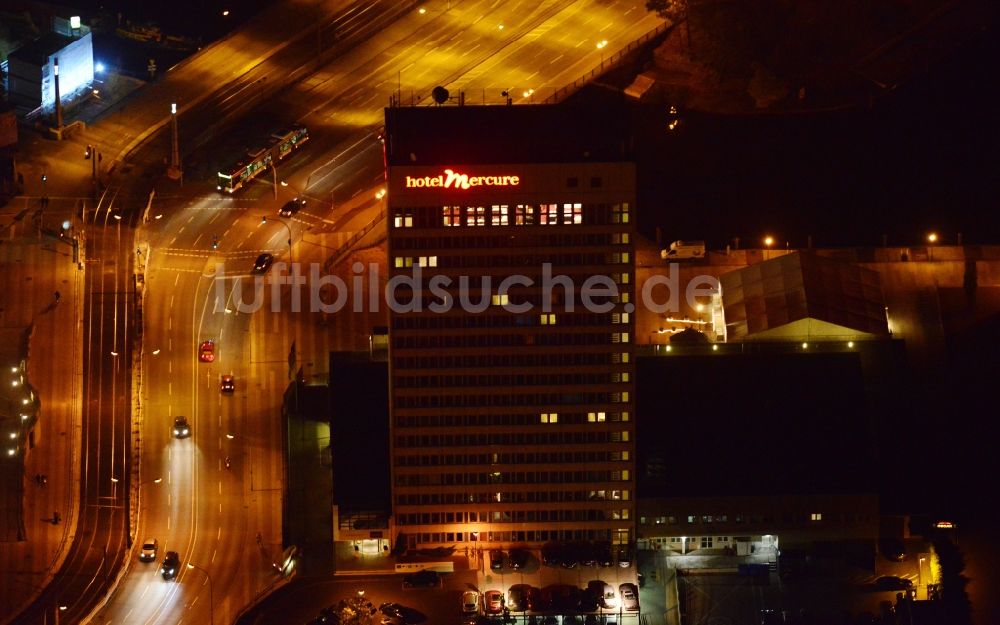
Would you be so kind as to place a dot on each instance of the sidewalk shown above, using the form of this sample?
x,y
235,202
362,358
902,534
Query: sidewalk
x,y
35,270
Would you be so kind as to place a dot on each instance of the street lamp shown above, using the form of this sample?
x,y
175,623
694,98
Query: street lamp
x,y
932,239
58,609
174,171
211,599
600,46
263,220
768,242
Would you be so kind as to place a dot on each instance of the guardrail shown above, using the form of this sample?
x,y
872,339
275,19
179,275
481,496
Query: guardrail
x,y
564,92
357,236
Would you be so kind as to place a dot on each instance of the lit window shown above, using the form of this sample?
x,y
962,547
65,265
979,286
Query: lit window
x,y
596,417
690,519
624,416
403,221
625,475
452,215
816,516
625,457
427,261
549,417
625,376
572,213
398,261
549,214
524,215
547,319
501,300
624,356
498,215
619,213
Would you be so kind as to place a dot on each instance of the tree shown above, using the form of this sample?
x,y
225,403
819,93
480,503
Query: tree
x,y
674,10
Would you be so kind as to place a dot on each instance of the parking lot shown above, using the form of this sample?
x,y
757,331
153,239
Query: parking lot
x,y
534,573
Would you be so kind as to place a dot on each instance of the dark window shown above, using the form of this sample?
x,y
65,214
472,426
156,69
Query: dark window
x,y
595,182
572,183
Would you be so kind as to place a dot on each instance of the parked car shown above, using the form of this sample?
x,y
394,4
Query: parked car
x,y
629,597
624,556
149,548
603,553
391,609
227,384
535,601
206,352
586,554
891,582
291,207
422,579
518,558
171,565
609,600
493,602
262,264
562,596
590,599
181,427
552,554
470,602
517,597
498,560
570,555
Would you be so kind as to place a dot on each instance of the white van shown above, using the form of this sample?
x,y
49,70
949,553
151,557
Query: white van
x,y
684,250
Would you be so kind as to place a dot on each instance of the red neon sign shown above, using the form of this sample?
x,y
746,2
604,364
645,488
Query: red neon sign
x,y
452,180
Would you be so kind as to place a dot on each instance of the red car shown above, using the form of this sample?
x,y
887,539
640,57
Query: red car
x,y
207,351
493,602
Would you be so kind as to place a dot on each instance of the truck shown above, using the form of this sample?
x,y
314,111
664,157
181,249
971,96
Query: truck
x,y
684,250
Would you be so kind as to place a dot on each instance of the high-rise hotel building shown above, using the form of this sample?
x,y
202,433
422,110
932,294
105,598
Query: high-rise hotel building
x,y
512,365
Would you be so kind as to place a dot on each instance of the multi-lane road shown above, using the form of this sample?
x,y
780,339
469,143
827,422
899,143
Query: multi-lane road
x,y
227,521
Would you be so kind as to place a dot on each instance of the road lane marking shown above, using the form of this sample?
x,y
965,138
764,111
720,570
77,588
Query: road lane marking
x,y
177,279
214,552
218,534
172,297
170,388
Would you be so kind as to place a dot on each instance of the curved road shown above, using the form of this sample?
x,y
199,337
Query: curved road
x,y
210,515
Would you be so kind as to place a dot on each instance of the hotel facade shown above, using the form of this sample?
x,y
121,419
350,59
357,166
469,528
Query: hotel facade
x,y
511,359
